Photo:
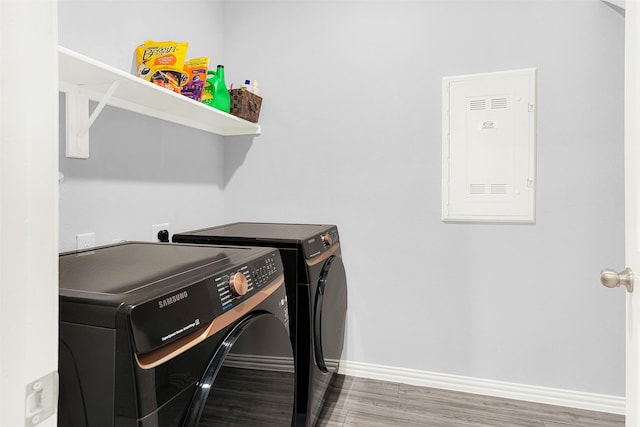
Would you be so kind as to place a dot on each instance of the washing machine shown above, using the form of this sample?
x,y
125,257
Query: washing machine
x,y
169,335
316,286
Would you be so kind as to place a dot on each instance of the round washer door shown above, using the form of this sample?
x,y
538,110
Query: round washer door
x,y
330,311
242,390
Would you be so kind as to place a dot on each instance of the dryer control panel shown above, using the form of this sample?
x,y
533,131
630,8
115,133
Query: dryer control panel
x,y
320,243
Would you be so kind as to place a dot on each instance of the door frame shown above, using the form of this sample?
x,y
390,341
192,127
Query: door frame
x,y
28,210
632,210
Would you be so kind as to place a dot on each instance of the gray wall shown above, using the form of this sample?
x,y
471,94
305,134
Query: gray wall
x,y
351,135
141,171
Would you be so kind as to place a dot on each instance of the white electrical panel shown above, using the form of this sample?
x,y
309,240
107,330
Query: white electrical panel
x,y
489,147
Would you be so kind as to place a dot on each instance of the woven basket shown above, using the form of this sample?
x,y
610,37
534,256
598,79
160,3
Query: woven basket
x,y
245,104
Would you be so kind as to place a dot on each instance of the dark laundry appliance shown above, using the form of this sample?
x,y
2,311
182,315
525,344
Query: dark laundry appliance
x,y
169,335
317,289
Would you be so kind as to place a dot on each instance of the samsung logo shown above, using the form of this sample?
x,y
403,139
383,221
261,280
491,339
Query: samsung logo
x,y
175,298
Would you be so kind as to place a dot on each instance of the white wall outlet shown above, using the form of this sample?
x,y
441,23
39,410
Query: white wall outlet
x,y
85,241
155,229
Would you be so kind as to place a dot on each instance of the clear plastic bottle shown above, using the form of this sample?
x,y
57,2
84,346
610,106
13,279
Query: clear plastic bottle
x,y
255,89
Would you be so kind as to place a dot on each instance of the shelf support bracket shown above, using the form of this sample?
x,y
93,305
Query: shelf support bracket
x,y
78,120
103,102
77,117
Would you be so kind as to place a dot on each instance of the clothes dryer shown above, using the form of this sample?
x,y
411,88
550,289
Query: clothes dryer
x,y
159,335
316,286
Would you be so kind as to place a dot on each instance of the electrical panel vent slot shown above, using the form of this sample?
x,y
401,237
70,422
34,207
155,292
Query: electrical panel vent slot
x,y
477,104
498,103
498,188
476,189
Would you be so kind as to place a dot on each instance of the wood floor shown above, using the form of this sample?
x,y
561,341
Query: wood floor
x,y
359,402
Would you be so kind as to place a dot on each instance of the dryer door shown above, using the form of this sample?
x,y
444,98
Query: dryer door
x,y
330,311
247,389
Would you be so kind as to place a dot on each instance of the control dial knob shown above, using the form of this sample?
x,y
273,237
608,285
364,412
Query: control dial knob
x,y
238,284
326,240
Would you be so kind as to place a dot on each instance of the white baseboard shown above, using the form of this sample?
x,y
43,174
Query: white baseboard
x,y
530,393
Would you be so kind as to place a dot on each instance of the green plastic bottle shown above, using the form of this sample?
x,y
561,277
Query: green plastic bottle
x,y
221,98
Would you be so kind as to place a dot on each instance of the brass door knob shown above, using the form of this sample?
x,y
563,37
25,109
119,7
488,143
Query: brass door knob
x,y
611,279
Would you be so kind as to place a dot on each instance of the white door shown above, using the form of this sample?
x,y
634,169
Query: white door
x,y
632,212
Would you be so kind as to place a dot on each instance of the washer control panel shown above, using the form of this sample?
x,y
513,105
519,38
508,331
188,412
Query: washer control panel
x,y
192,296
240,283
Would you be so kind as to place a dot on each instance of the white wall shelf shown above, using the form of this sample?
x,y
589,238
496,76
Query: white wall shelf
x,y
83,79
